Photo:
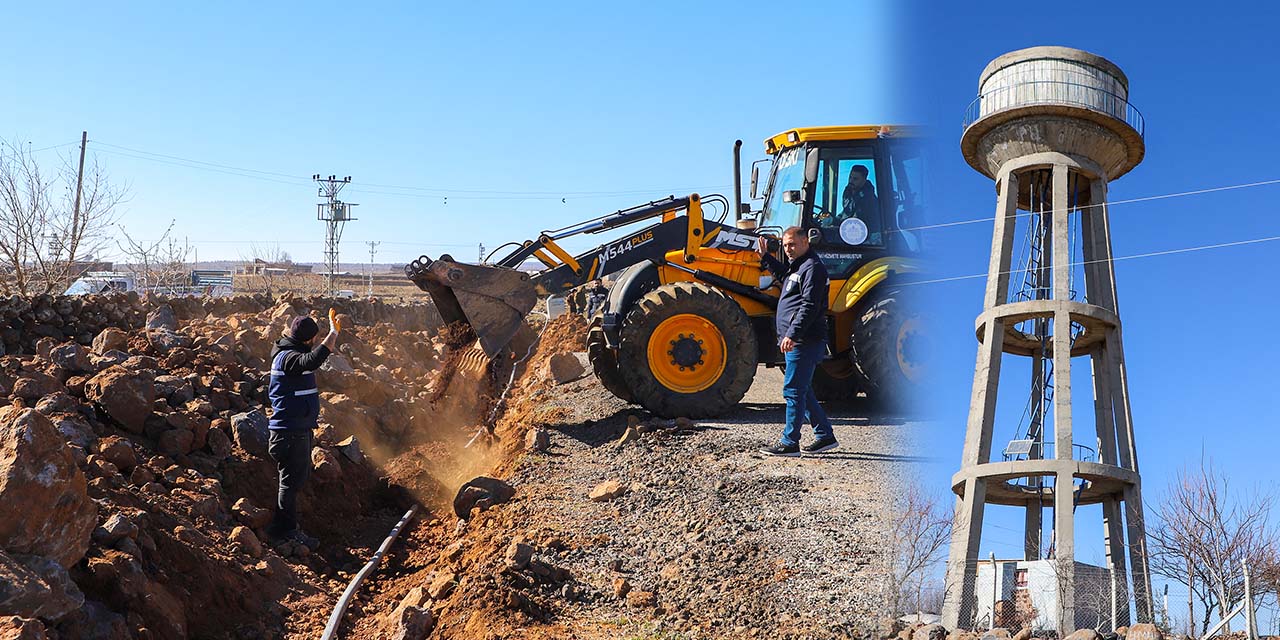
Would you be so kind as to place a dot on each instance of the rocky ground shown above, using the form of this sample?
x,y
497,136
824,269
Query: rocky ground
x,y
142,424
134,477
641,527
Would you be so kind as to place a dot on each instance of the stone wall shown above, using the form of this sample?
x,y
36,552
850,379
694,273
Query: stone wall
x,y
25,320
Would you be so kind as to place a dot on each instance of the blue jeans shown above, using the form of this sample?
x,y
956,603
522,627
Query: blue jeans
x,y
797,390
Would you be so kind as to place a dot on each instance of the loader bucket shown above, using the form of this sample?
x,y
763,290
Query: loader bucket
x,y
492,300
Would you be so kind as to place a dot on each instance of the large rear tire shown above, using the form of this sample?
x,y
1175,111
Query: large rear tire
x,y
604,361
890,349
687,350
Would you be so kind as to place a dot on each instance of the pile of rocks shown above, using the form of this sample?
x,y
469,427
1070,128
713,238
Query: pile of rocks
x,y
134,447
896,629
24,320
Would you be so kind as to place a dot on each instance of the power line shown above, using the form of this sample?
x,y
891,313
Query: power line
x,y
1162,196
1149,254
428,192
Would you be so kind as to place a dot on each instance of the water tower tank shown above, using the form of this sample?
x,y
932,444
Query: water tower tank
x,y
1053,99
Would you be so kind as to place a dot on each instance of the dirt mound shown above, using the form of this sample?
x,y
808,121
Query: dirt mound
x,y
158,407
165,419
476,578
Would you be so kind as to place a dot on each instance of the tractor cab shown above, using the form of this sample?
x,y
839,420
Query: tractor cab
x,y
856,190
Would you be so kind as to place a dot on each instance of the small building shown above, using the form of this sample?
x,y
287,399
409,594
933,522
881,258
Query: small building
x,y
210,282
260,267
1026,594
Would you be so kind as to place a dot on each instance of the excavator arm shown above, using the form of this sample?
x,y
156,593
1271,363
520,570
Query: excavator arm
x,y
494,299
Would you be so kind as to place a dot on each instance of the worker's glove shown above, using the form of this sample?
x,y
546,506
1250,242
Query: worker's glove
x,y
334,324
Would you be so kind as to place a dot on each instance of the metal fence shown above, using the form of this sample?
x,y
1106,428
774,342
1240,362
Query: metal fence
x,y
1029,594
1046,92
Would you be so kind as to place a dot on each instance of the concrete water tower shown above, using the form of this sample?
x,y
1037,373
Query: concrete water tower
x,y
1051,126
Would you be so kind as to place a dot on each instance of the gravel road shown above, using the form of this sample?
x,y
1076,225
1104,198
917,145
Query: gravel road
x,y
729,542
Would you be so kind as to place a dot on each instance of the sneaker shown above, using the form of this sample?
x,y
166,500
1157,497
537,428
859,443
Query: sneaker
x,y
780,449
821,446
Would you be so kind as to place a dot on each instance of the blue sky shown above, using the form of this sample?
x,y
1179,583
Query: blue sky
x,y
547,99
1196,325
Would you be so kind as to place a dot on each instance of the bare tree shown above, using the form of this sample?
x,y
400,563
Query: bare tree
x,y
44,238
272,280
160,265
919,531
1204,532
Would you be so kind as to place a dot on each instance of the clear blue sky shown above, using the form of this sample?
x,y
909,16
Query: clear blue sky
x,y
546,99
1201,359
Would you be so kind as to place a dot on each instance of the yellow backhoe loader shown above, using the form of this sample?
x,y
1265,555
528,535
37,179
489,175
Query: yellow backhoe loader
x,y
690,314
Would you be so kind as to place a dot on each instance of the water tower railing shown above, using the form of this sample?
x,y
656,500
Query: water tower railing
x,y
1037,92
1044,450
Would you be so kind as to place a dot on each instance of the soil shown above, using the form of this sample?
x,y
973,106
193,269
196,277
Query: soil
x,y
712,538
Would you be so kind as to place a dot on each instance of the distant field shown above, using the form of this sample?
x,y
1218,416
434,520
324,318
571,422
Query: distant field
x,y
385,285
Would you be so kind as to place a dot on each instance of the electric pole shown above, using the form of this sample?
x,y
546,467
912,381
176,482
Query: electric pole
x,y
75,209
373,247
481,253
335,213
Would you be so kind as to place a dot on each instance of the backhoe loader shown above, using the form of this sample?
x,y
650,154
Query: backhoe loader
x,y
690,314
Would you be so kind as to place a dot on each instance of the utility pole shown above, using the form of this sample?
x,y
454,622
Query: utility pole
x,y
481,259
373,247
335,213
75,209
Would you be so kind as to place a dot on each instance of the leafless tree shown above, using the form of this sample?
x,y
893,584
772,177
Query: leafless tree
x,y
1203,533
160,265
273,281
919,531
44,237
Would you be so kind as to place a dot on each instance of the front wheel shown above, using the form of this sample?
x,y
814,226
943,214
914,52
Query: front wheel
x,y
688,350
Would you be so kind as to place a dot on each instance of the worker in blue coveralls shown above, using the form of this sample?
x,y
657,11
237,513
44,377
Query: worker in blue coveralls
x,y
295,404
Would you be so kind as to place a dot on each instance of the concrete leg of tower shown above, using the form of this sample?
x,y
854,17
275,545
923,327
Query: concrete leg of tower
x,y
1113,530
1031,541
1064,552
1138,554
960,601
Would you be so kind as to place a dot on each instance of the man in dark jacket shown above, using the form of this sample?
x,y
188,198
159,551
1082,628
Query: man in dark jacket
x,y
801,323
295,405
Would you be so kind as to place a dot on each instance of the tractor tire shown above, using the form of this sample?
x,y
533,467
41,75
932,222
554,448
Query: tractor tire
x,y
604,361
688,350
890,350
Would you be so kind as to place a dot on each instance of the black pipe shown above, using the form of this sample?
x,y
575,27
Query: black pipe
x,y
737,180
736,287
635,214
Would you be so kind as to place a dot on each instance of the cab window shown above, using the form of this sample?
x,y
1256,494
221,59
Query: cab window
x,y
847,198
788,175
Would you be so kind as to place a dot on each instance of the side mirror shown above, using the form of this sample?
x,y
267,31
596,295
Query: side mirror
x,y
793,196
755,181
811,167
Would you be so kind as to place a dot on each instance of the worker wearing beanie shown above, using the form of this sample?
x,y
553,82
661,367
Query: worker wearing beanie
x,y
295,405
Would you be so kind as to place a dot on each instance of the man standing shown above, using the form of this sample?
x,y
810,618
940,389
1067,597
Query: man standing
x,y
802,336
295,405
